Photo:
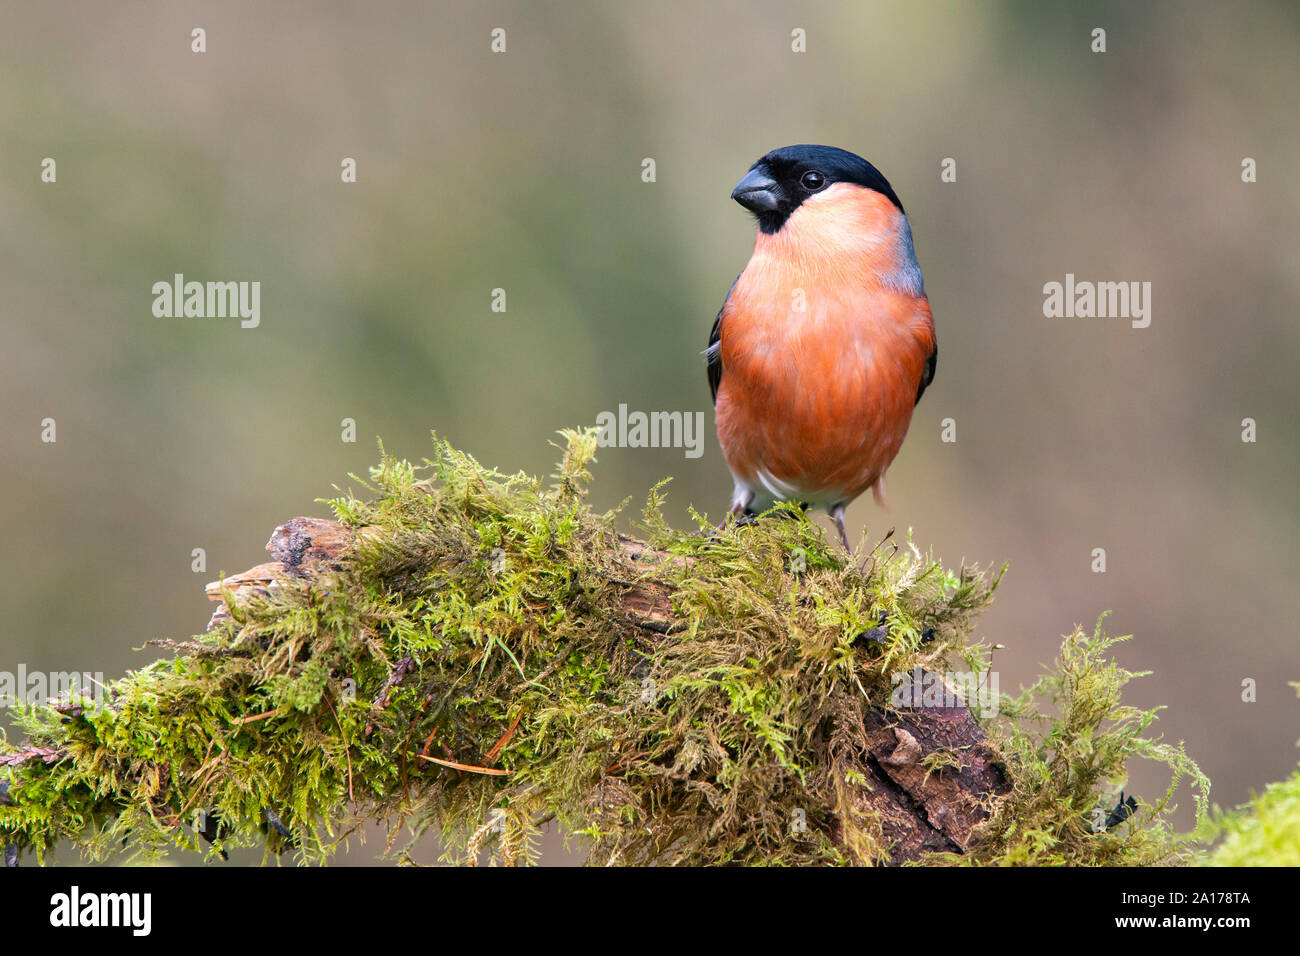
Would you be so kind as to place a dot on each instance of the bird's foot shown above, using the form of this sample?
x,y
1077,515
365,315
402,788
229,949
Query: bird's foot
x,y
741,517
837,516
733,517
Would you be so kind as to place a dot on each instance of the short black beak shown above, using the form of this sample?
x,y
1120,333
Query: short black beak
x,y
757,192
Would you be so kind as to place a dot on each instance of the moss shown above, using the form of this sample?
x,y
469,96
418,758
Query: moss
x,y
1067,741
499,600
1265,832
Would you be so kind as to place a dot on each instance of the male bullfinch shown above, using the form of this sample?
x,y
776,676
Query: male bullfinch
x,y
825,342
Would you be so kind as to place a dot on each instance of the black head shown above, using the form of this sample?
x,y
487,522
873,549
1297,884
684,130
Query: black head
x,y
776,184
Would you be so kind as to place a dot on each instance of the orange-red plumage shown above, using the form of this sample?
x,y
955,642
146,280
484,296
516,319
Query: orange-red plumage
x,y
824,344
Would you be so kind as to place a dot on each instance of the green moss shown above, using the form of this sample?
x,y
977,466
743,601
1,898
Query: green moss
x,y
1265,832
501,598
1067,741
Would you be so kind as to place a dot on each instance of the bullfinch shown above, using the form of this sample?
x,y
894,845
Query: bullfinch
x,y
825,342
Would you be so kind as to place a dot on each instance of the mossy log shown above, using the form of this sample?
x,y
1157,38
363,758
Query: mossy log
x,y
477,654
919,811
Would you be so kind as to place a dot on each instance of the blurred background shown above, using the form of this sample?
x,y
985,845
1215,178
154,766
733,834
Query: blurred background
x,y
523,171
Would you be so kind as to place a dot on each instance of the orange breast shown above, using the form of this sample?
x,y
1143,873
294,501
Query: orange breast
x,y
821,355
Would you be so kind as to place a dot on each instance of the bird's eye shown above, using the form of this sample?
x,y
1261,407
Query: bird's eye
x,y
813,180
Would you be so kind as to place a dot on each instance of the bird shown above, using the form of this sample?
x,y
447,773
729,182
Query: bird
x,y
825,343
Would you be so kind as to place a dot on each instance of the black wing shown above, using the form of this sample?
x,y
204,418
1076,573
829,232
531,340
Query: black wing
x,y
927,373
714,352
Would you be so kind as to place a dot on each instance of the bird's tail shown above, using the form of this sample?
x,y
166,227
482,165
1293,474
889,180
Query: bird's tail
x,y
878,492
